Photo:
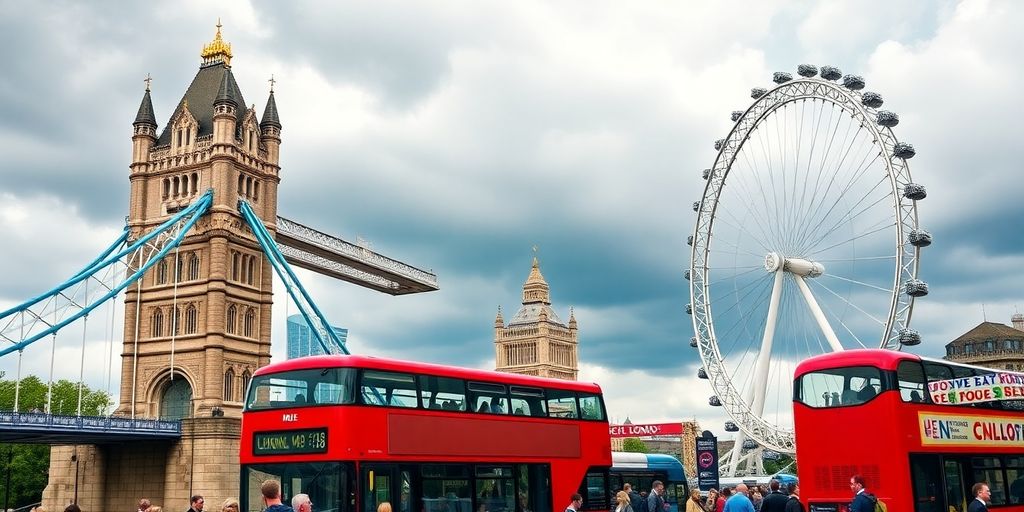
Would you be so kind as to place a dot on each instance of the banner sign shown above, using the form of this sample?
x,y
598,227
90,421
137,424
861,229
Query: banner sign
x,y
971,431
648,430
978,388
707,462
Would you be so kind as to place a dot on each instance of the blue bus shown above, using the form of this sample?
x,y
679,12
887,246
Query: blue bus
x,y
785,481
641,469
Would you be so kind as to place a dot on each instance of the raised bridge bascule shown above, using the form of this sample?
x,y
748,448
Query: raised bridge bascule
x,y
806,241
194,268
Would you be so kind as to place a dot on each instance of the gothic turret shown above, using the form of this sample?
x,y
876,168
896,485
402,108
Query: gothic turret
x,y
270,127
225,110
144,128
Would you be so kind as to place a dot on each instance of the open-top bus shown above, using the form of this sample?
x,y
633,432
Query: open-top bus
x,y
641,470
355,431
870,412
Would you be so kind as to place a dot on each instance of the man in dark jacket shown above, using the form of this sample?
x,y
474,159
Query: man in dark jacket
x,y
634,497
775,501
197,503
862,501
981,496
793,503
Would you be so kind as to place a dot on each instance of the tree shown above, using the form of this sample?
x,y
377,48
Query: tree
x,y
28,465
632,444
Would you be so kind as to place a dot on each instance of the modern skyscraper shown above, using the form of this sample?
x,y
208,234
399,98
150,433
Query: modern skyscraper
x,y
302,343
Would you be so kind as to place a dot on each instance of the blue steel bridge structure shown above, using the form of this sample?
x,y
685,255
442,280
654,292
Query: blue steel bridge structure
x,y
126,260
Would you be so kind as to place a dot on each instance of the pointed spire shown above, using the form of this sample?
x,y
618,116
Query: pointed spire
x,y
146,116
536,288
217,50
572,317
270,112
499,321
226,93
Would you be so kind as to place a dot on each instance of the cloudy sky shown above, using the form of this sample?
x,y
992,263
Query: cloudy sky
x,y
455,137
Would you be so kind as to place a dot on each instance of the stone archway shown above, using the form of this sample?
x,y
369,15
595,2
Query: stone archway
x,y
176,400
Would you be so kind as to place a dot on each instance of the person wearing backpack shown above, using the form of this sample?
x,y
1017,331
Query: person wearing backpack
x,y
981,496
862,500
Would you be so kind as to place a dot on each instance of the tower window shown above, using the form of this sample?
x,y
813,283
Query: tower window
x,y
232,319
191,320
161,272
157,326
176,322
246,377
167,188
250,272
249,324
193,267
229,385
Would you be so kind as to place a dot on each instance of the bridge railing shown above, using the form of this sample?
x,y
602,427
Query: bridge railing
x,y
92,423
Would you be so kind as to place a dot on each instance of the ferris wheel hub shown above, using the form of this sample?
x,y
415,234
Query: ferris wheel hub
x,y
796,266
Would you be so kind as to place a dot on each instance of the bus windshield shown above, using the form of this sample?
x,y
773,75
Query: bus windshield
x,y
299,388
836,387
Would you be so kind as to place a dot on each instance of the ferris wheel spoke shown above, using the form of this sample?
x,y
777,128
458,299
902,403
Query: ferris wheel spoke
x,y
854,238
839,196
740,249
852,305
835,172
854,281
824,160
862,258
794,214
721,280
771,175
846,219
839,319
765,352
738,225
763,196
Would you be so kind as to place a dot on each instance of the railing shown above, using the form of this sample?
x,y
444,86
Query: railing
x,y
92,423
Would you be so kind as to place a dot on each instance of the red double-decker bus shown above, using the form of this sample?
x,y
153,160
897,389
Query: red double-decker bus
x,y
869,412
355,431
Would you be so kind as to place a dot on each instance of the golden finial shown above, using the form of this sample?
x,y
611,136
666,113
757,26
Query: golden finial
x,y
272,82
148,81
217,50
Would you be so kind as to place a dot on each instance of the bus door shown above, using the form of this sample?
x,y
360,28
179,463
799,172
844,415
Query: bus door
x,y
926,472
386,482
953,471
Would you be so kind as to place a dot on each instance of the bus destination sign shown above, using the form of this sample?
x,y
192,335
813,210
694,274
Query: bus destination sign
x,y
287,442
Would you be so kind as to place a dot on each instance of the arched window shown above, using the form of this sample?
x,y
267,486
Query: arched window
x,y
232,319
158,323
176,401
195,183
161,272
241,184
167,188
246,377
250,322
193,267
229,385
176,321
236,264
250,271
175,187
179,272
191,319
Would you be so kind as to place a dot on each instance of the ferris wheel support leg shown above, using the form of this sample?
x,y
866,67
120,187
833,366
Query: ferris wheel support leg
x,y
756,392
819,315
737,449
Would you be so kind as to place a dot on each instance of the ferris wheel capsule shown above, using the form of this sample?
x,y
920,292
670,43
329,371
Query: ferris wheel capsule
x,y
689,240
706,173
714,402
853,82
904,151
731,427
686,274
916,288
749,444
887,119
696,206
919,238
871,99
689,309
757,92
781,77
718,144
831,73
807,70
701,374
910,337
693,342
736,115
914,191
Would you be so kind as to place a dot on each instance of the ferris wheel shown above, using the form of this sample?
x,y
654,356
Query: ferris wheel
x,y
806,241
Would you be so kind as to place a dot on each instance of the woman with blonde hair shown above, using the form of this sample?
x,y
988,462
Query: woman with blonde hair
x,y
694,504
230,505
622,502
385,506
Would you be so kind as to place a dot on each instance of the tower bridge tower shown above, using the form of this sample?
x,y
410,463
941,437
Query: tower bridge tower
x,y
198,324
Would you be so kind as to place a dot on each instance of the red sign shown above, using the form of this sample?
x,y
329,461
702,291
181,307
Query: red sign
x,y
648,430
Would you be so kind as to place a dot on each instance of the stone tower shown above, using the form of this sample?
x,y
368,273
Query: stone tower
x,y
535,341
197,325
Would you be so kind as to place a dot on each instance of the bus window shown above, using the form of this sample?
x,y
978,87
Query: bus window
x,y
442,393
495,489
328,386
837,387
445,488
527,401
388,388
1015,476
594,490
562,404
990,471
910,375
590,407
927,483
485,397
